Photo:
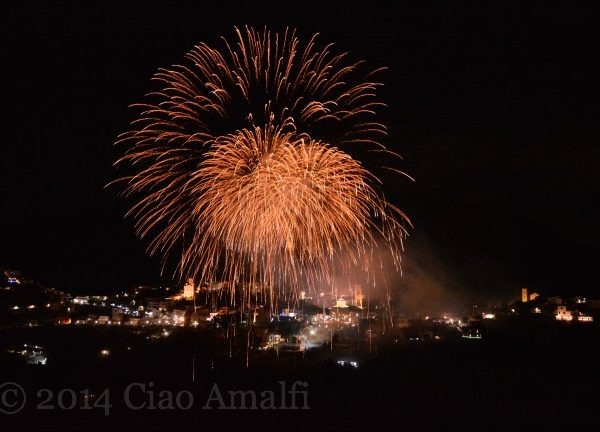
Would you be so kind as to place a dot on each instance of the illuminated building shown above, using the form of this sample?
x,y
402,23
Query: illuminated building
x,y
81,300
341,303
402,322
103,319
273,341
188,290
33,354
358,296
354,364
585,318
524,296
187,293
471,334
37,358
178,317
13,277
563,314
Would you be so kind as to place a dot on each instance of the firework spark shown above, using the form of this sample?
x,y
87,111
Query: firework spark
x,y
241,159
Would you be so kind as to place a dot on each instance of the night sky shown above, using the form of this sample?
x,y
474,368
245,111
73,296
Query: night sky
x,y
495,111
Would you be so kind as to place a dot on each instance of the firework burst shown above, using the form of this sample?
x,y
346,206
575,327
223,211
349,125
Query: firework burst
x,y
241,163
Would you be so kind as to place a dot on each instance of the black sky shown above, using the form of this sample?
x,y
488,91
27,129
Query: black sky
x,y
495,110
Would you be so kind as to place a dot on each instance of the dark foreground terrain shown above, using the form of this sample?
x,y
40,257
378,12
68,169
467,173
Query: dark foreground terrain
x,y
520,376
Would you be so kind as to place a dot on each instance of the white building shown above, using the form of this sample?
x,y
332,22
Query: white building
x,y
341,303
81,300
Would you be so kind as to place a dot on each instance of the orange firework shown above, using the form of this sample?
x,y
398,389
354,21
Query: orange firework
x,y
241,159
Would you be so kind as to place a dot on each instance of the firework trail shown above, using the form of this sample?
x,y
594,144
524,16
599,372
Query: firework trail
x,y
241,163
